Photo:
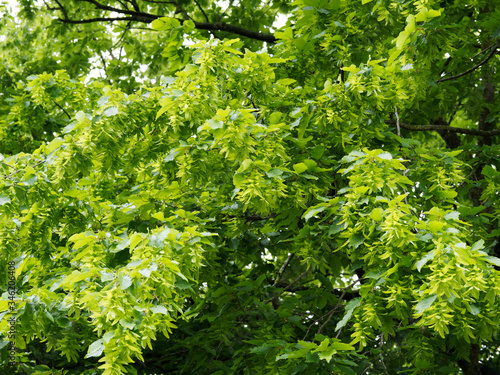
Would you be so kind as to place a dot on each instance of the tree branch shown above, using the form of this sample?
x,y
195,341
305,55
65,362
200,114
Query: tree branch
x,y
135,14
148,18
62,109
289,286
202,11
98,19
493,51
282,269
481,133
330,313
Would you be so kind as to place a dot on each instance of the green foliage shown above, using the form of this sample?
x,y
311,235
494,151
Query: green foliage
x,y
215,205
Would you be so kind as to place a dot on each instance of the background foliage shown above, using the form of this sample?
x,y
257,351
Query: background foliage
x,y
228,198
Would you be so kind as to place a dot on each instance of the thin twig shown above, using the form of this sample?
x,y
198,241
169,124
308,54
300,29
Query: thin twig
x,y
380,354
202,11
337,306
213,357
8,165
367,368
20,170
282,269
289,286
481,133
62,109
397,123
493,51
330,313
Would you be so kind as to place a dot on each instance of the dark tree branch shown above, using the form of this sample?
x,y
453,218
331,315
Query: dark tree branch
x,y
330,313
481,133
161,2
283,268
493,51
221,26
99,19
135,14
202,11
135,5
62,109
289,286
139,16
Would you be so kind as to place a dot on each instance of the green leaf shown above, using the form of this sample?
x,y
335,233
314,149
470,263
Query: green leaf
x,y
342,346
477,245
95,349
299,168
312,212
377,214
435,226
159,310
425,304
245,164
356,240
493,260
111,111
274,172
126,281
425,259
349,308
4,200
171,156
453,215
275,118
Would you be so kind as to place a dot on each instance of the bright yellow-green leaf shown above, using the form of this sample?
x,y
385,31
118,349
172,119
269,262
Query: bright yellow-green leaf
x,y
299,167
377,214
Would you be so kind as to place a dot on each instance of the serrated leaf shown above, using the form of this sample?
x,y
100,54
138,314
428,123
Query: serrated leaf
x,y
475,310
477,245
435,226
275,172
214,124
342,346
286,81
171,156
425,259
111,111
159,310
349,308
245,164
126,282
433,13
356,240
107,276
103,100
136,238
311,212
493,260
95,349
238,179
425,304
385,156
453,215
121,246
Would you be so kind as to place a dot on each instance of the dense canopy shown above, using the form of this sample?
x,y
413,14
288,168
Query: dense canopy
x,y
189,187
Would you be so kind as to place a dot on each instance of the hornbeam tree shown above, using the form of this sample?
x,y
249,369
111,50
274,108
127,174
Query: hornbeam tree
x,y
187,187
